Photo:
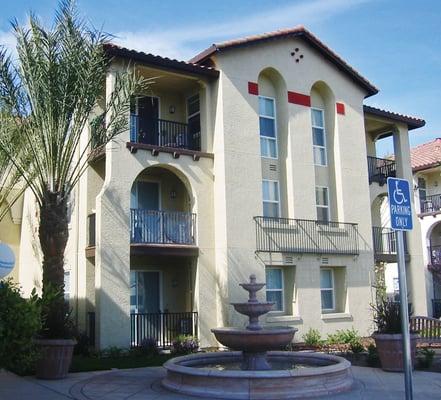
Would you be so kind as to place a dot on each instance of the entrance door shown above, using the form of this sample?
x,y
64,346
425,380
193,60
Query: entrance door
x,y
148,115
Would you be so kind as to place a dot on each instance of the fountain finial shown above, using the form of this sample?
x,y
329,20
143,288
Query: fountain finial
x,y
252,278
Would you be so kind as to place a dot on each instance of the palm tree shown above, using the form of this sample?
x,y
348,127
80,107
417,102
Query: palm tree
x,y
46,99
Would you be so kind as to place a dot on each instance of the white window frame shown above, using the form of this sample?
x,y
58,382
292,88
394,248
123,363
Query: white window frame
x,y
186,105
327,200
332,289
275,127
325,147
278,290
272,201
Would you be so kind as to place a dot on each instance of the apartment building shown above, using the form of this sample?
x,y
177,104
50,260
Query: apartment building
x,y
255,157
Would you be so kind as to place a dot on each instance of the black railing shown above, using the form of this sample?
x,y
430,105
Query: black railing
x,y
160,132
380,169
436,308
385,241
435,254
162,227
162,327
91,328
305,236
91,224
430,203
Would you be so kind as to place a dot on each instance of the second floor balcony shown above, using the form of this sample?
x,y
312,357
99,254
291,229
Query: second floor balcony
x,y
162,227
380,169
287,235
430,204
385,244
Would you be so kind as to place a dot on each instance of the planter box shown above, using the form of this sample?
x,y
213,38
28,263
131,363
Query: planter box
x,y
55,358
390,350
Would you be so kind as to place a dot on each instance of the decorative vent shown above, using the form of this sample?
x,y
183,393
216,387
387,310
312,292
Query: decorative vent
x,y
296,54
273,167
325,260
288,259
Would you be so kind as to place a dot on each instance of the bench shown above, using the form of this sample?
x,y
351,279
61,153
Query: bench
x,y
429,329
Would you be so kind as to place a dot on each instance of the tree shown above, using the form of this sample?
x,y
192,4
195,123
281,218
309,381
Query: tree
x,y
46,99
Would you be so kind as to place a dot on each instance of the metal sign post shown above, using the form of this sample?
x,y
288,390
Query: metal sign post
x,y
401,220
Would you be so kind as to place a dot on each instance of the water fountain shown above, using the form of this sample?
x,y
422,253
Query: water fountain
x,y
257,369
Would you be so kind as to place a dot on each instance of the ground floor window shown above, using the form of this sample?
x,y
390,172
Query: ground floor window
x,y
274,287
327,289
333,289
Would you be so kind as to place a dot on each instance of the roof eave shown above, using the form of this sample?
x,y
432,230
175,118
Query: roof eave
x,y
412,123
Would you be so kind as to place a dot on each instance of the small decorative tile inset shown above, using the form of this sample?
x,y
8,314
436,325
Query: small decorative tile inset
x,y
340,108
296,54
299,98
253,88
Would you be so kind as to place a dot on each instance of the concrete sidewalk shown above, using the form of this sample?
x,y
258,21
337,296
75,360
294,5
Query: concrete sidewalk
x,y
144,384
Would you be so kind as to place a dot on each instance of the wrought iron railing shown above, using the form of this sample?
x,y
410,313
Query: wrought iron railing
x,y
162,227
305,236
430,203
91,225
160,132
385,241
380,169
434,254
162,327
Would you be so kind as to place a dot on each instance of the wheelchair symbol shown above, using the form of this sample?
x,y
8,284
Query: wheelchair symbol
x,y
398,194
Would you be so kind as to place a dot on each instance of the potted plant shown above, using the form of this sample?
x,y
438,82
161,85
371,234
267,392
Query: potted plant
x,y
48,94
389,336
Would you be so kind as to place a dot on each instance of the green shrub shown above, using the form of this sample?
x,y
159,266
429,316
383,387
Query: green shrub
x,y
184,345
149,347
20,321
387,316
312,337
349,336
114,352
425,358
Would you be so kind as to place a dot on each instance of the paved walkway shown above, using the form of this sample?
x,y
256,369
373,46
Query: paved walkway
x,y
144,384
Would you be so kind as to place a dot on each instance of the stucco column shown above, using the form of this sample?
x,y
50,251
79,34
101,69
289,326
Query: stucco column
x,y
416,269
112,254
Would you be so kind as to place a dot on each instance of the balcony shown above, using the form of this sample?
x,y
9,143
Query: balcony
x,y
162,232
431,204
385,244
380,169
163,133
305,236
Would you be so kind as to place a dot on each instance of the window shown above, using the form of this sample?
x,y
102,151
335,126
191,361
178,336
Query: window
x,y
322,203
66,285
194,122
271,205
327,289
267,127
422,191
318,136
274,287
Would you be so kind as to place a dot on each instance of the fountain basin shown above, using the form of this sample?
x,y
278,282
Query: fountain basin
x,y
321,374
275,338
253,309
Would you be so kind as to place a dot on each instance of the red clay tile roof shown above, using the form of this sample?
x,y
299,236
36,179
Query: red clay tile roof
x,y
426,155
298,31
162,62
412,122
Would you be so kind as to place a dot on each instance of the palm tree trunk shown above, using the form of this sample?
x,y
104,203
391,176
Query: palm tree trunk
x,y
53,232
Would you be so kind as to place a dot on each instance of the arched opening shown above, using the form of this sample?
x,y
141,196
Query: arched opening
x,y
434,265
323,125
273,123
163,256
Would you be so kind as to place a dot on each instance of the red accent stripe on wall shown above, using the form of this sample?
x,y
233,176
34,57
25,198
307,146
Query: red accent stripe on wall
x,y
299,98
340,108
253,88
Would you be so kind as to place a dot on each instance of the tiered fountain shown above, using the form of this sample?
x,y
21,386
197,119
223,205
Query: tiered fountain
x,y
256,370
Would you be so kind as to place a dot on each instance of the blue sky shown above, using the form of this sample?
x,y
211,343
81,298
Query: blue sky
x,y
394,43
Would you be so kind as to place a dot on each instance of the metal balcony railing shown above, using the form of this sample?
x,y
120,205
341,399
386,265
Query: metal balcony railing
x,y
162,227
385,241
380,169
160,132
305,236
430,203
163,328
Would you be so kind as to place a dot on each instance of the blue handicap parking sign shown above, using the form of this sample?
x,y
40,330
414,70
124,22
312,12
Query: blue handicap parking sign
x,y
400,204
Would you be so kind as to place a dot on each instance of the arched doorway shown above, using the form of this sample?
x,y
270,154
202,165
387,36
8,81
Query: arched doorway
x,y
434,265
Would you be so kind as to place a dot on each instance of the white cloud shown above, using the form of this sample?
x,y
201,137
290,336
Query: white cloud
x,y
184,41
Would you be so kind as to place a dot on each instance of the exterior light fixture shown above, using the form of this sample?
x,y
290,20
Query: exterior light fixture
x,y
172,109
